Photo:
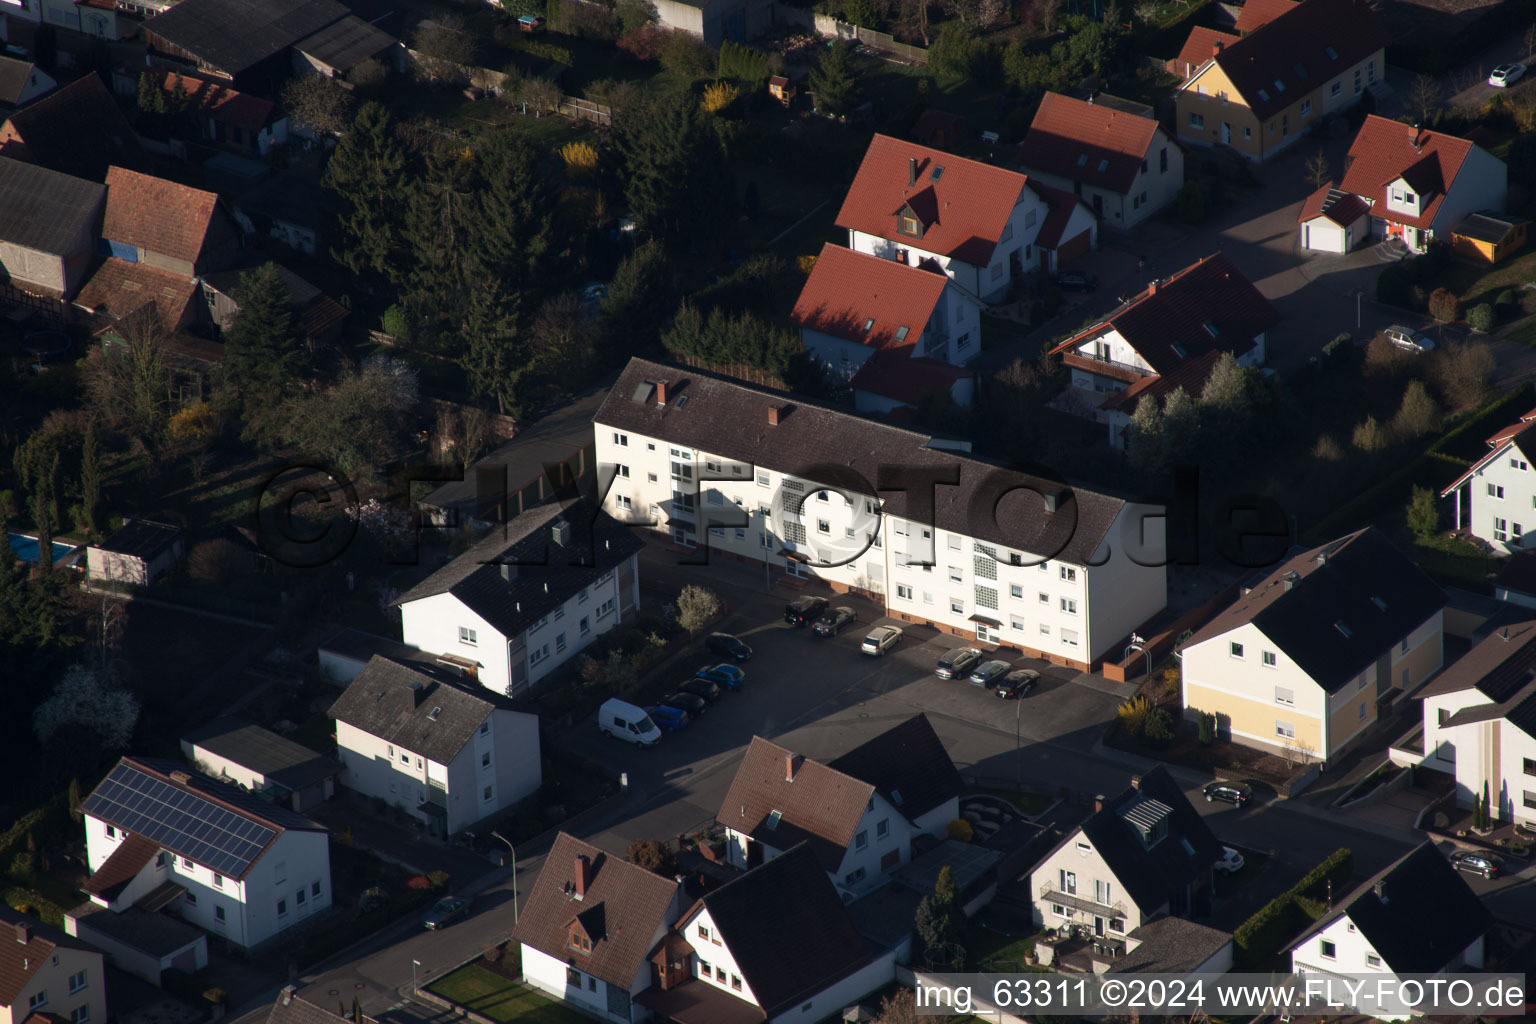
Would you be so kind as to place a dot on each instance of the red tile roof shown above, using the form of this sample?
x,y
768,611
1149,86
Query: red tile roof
x,y
19,961
121,867
963,212
1384,151
1179,314
821,805
218,101
1333,203
1190,375
1201,47
119,288
1505,433
846,289
158,215
1293,50
1062,205
896,375
1256,14
1087,142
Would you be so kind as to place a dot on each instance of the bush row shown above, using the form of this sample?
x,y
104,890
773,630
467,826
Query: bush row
x,y
1258,939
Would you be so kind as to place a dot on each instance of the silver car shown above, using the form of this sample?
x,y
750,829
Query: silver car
x,y
1407,338
880,640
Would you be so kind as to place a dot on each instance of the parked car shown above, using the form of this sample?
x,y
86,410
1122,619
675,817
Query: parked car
x,y
958,663
834,620
1408,338
803,611
444,912
880,640
624,721
670,719
700,688
1475,863
1238,793
1230,861
685,701
727,646
1077,281
1018,683
723,675
1506,75
989,672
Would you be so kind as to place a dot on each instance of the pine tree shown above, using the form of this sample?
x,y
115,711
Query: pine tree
x,y
639,298
90,476
440,232
678,183
935,919
261,356
365,178
834,80
151,98
495,357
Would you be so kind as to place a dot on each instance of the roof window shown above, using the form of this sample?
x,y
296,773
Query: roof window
x,y
774,817
1210,329
1279,86
1339,625
1103,166
1264,95
1179,350
1082,159
1378,602
937,173
1331,52
1301,72
901,334
869,324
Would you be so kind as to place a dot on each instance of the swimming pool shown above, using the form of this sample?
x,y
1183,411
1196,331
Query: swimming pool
x,y
26,548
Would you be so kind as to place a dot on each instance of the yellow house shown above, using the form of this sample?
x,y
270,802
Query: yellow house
x,y
1262,92
48,973
1308,656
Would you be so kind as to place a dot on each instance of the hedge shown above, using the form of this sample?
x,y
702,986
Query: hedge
x,y
41,824
1259,938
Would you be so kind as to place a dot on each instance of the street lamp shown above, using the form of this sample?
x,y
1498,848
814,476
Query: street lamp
x,y
415,987
504,839
1018,757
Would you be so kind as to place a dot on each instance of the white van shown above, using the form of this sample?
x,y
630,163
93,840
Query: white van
x,y
624,721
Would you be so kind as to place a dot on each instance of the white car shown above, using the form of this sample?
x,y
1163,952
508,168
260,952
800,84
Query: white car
x,y
1230,861
880,640
1506,75
1408,338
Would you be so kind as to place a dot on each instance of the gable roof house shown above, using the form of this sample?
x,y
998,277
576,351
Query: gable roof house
x,y
774,944
1255,14
590,925
1202,44
420,737
78,130
894,332
139,552
1311,653
161,835
1333,220
1122,164
21,82
1480,723
263,762
1419,184
48,224
1499,487
860,815
1143,855
1417,916
528,597
221,116
980,224
45,971
1260,93
1167,336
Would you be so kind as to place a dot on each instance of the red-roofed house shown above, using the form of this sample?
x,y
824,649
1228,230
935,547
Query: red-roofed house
x,y
1500,488
1260,93
1169,335
165,225
218,114
979,223
1255,14
1333,220
1203,44
1123,165
1419,184
860,313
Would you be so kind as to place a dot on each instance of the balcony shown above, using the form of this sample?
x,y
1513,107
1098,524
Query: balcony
x,y
1052,894
1105,367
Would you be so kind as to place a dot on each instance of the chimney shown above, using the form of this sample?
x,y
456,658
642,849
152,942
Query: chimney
x,y
773,415
583,876
288,991
1413,134
1322,558
1216,48
1135,781
560,532
1380,888
23,932
1090,98
1291,578
184,778
508,571
1098,803
1504,634
661,392
911,171
417,692
792,764
1052,502
1152,287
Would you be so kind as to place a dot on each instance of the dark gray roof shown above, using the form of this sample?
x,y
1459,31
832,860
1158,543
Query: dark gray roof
x,y
152,932
346,44
14,75
787,930
45,210
415,707
1428,916
142,539
234,35
829,446
292,1009
291,196
1349,601
519,573
1170,945
1150,876
908,765
355,643
1500,664
1487,226
278,759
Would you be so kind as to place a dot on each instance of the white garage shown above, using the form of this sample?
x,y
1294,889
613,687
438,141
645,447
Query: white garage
x,y
1333,220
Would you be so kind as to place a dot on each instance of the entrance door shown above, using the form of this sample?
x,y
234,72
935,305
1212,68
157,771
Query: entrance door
x,y
1226,133
1098,926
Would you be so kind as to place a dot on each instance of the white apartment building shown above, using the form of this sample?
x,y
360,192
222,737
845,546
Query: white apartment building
x,y
1004,558
159,835
447,752
526,598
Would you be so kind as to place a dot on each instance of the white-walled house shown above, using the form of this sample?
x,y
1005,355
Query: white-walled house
x,y
1500,488
1480,723
1168,335
859,815
1333,220
49,974
528,597
1417,916
978,223
893,332
775,945
1309,654
234,865
590,925
449,753
761,476
21,81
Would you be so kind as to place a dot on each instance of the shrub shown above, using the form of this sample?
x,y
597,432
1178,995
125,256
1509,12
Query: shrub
x,y
1506,302
549,51
215,561
1394,287
960,829
719,95
1259,938
1481,317
1132,714
1369,436
1207,727
491,955
686,55
1444,306
439,880
397,323
653,856
697,607
1158,729
418,883
580,159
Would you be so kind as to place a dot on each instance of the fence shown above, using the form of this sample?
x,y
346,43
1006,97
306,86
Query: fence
x,y
829,26
585,110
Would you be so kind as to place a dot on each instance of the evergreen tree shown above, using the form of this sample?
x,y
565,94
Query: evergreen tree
x,y
630,319
495,357
261,355
365,177
936,921
678,184
440,229
90,476
515,232
834,80
1144,438
151,98
1423,515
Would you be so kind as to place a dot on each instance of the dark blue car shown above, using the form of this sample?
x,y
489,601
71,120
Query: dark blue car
x,y
669,718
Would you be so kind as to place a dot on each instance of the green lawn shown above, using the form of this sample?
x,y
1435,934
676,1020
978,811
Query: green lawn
x,y
1525,334
997,942
475,988
1478,282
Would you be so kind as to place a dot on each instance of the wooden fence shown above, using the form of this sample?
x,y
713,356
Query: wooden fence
x,y
585,110
829,26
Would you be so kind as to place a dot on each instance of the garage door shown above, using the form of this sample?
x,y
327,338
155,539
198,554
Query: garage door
x,y
1071,249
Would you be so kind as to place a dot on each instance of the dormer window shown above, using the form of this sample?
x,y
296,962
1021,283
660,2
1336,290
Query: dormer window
x,y
1264,95
909,225
580,942
1301,72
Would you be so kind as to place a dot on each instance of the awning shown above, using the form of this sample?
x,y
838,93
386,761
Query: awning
x,y
983,619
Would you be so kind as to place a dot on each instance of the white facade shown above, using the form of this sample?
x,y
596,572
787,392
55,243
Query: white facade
x,y
1322,235
442,624
1110,346
1341,948
497,768
951,335
1014,255
1482,183
287,884
1502,503
1079,871
1495,754
1157,185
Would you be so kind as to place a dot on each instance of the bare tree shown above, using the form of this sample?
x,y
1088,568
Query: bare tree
x,y
1424,97
542,95
1046,13
445,49
1317,170
1530,39
982,14
318,103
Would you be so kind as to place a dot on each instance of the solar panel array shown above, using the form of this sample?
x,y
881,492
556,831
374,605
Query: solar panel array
x,y
182,822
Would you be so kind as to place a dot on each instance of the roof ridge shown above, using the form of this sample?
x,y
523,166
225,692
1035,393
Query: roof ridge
x,y
224,804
